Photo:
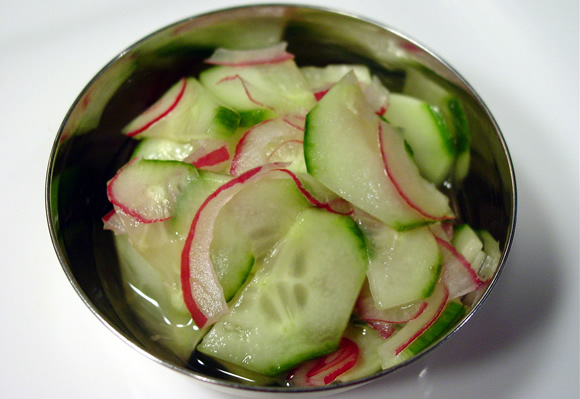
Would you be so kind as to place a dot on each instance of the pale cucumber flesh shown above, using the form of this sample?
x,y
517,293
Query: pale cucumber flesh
x,y
298,304
342,151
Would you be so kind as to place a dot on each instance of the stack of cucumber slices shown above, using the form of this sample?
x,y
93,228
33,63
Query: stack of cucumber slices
x,y
288,222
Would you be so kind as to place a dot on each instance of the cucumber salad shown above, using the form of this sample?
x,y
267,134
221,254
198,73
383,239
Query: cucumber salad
x,y
289,223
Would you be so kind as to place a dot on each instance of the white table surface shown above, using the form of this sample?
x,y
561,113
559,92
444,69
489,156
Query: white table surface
x,y
520,56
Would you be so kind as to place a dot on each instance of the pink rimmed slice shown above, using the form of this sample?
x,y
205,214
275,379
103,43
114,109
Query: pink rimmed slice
x,y
418,193
241,58
112,221
323,371
458,274
163,107
202,292
391,352
211,155
261,141
146,190
248,89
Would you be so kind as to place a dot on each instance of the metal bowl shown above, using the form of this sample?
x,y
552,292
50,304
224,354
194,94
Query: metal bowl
x,y
89,147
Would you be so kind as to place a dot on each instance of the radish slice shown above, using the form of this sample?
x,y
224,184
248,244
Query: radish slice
x,y
248,89
112,221
368,311
384,328
420,194
202,293
269,55
259,142
458,274
160,109
325,370
147,189
210,155
390,352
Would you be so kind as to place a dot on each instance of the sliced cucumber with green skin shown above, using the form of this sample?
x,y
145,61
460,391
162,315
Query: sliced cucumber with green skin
x,y
392,351
453,312
342,151
420,86
404,266
426,132
185,112
298,304
260,92
153,301
249,225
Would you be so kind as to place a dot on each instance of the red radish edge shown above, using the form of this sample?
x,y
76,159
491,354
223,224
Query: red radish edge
x,y
243,82
324,205
464,262
385,329
240,147
213,158
398,187
333,365
163,114
426,326
323,371
108,216
319,94
200,318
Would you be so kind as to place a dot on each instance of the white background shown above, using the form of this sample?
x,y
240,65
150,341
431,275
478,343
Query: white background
x,y
520,56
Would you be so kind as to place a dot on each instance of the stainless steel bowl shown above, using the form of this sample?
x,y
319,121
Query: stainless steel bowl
x,y
89,147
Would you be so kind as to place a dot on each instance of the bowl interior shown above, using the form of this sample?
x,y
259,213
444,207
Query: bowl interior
x,y
90,148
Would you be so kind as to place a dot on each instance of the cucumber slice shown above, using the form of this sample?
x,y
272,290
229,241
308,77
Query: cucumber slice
x,y
392,351
451,314
162,149
479,248
260,92
426,132
342,151
404,266
322,78
493,254
298,304
468,243
419,85
263,212
185,112
155,303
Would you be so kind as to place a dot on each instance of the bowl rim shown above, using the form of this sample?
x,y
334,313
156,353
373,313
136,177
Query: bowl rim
x,y
229,385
